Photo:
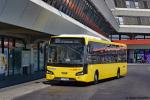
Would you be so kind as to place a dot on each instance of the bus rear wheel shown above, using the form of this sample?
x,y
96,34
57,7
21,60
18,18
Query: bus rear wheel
x,y
118,74
96,78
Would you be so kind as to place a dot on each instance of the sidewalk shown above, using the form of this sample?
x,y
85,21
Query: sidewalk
x,y
18,79
12,92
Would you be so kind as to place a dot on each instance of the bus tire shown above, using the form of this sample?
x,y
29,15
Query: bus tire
x,y
96,78
118,74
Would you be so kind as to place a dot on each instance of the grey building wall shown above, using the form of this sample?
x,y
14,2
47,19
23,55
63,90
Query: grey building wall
x,y
138,46
131,12
39,16
136,16
29,15
106,12
110,4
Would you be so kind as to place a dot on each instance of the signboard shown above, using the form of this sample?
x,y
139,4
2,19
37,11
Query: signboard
x,y
2,63
25,59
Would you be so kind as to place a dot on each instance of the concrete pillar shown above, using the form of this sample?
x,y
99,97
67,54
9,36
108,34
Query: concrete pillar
x,y
32,59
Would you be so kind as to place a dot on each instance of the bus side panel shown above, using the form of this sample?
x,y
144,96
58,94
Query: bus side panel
x,y
106,70
91,69
112,69
103,69
123,69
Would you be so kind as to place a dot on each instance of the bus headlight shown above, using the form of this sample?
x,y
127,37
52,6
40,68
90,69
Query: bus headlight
x,y
50,72
79,73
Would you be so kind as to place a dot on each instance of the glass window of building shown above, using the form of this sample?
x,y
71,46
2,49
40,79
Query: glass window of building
x,y
120,3
147,37
17,56
147,56
35,57
41,57
148,3
0,46
115,37
145,20
125,37
139,37
116,4
19,44
10,58
139,56
142,4
2,68
121,21
133,20
117,18
139,20
136,4
128,4
145,4
6,53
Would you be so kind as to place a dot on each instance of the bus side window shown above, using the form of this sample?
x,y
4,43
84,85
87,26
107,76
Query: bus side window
x,y
89,49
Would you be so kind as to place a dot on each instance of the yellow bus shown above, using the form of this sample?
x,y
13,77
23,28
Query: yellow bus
x,y
85,58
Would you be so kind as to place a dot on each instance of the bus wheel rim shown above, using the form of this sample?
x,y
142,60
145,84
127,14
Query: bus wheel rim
x,y
96,78
118,74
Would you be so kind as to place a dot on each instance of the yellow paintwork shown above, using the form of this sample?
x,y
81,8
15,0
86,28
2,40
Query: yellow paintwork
x,y
89,38
107,70
104,70
71,73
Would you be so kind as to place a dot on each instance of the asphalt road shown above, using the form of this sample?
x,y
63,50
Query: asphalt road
x,y
135,86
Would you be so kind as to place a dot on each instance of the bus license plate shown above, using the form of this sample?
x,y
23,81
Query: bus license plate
x,y
65,79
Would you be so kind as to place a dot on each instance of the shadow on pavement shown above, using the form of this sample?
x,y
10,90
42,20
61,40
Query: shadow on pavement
x,y
18,79
76,84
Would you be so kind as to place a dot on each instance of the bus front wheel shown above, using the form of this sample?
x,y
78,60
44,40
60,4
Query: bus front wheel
x,y
96,78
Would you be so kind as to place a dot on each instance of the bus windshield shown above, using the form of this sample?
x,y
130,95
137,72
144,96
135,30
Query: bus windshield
x,y
66,54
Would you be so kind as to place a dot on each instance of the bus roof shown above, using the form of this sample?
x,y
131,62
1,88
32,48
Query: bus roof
x,y
77,36
90,38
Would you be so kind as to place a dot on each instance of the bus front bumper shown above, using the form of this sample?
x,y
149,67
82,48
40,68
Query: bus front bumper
x,y
82,78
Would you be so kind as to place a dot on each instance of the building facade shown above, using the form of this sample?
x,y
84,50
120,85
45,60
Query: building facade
x,y
20,54
24,32
133,17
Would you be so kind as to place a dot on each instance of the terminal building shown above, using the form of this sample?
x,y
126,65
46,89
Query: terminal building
x,y
133,17
26,25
